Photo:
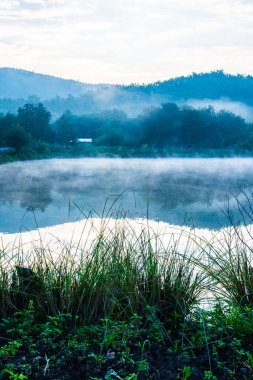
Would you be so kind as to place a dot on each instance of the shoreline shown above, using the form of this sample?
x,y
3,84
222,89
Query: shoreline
x,y
121,152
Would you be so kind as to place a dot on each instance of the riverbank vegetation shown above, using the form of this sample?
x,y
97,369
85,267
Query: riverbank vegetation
x,y
167,130
132,305
57,151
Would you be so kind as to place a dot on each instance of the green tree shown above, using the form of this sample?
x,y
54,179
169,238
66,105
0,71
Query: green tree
x,y
6,123
34,119
65,129
17,138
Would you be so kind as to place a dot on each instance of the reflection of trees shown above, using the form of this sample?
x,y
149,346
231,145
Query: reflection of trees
x,y
29,191
37,196
36,186
183,190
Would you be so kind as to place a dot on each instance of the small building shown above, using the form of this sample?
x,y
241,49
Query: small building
x,y
84,141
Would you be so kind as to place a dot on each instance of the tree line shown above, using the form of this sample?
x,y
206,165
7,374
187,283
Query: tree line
x,y
166,125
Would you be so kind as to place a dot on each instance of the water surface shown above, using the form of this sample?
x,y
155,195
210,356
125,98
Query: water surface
x,y
176,191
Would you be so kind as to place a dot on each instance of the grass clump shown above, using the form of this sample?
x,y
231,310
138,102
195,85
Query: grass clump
x,y
119,276
227,259
128,305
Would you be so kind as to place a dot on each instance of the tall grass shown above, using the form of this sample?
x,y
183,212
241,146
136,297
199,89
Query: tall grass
x,y
228,259
124,271
120,274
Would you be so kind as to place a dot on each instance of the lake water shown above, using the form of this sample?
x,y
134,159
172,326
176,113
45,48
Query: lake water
x,y
176,191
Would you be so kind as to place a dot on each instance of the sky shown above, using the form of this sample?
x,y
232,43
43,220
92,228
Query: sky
x,y
126,41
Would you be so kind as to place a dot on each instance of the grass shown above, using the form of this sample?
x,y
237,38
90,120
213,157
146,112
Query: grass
x,y
77,151
120,275
229,261
129,305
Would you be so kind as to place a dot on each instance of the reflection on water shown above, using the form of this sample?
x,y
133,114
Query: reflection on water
x,y
178,191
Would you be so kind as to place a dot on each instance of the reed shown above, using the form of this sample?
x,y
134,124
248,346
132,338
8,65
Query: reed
x,y
120,274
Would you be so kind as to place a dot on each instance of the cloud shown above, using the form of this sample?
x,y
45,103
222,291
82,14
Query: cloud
x,y
126,40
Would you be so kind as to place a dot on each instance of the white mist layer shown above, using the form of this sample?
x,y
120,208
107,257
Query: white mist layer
x,y
237,108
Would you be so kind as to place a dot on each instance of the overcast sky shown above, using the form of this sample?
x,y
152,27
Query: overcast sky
x,y
124,41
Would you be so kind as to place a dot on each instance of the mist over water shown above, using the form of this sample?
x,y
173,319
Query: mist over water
x,y
174,190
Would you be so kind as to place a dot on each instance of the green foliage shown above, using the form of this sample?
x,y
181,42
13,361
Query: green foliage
x,y
65,129
42,147
119,349
167,126
202,128
229,317
186,373
209,376
13,375
55,326
125,299
118,277
16,137
10,348
34,119
230,269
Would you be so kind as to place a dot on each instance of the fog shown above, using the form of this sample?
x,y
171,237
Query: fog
x,y
135,103
132,102
237,108
177,191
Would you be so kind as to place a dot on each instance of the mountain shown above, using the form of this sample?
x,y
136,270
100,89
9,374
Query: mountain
x,y
223,91
212,85
15,83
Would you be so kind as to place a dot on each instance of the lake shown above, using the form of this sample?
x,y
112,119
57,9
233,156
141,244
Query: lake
x,y
179,191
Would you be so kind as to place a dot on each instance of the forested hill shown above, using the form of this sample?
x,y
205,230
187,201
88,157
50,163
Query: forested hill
x,y
232,92
15,83
213,85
